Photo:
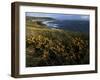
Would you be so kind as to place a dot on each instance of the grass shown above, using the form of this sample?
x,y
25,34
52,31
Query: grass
x,y
52,47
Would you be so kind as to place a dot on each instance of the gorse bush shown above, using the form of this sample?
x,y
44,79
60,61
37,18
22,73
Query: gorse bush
x,y
51,47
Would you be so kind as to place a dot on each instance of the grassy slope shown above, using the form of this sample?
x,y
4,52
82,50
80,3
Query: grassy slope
x,y
49,47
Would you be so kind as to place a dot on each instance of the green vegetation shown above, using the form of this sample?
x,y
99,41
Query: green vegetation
x,y
52,47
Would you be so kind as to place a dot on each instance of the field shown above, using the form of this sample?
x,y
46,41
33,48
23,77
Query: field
x,y
52,46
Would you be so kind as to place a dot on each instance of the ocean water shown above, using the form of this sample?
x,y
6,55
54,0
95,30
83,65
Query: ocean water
x,y
71,25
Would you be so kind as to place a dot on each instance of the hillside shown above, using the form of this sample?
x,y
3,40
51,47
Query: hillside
x,y
47,46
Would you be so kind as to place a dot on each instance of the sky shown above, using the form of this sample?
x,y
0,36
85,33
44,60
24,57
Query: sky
x,y
59,16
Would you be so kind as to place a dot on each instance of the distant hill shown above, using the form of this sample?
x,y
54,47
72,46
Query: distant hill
x,y
39,18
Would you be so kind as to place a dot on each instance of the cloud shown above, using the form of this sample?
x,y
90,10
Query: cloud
x,y
85,17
